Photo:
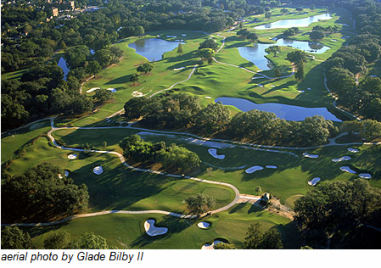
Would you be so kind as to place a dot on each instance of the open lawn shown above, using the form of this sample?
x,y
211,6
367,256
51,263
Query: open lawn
x,y
127,231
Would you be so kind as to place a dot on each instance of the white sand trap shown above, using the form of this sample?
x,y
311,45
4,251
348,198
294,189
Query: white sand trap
x,y
171,35
93,89
353,150
301,91
343,158
259,77
213,152
178,69
66,173
260,85
207,97
347,169
137,94
333,40
152,230
211,246
253,169
60,176
184,35
111,89
72,156
271,166
272,85
98,170
314,181
310,155
365,176
203,225
308,88
158,35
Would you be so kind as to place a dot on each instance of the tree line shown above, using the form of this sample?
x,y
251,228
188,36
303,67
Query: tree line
x,y
180,111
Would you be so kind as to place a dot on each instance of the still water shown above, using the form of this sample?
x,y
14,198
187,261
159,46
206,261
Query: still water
x,y
294,22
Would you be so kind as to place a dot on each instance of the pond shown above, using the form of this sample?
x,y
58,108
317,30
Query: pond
x,y
283,111
63,65
256,53
294,22
153,49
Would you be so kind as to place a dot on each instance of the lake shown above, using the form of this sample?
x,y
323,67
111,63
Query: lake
x,y
256,53
153,49
294,22
63,65
283,111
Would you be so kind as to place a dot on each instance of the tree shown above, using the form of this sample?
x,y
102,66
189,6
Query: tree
x,y
134,107
103,95
277,73
14,238
146,67
139,30
57,240
103,56
93,67
90,241
268,15
297,56
256,239
209,43
258,190
180,50
317,35
299,75
339,208
206,53
199,204
271,240
52,197
134,78
252,37
253,237
273,49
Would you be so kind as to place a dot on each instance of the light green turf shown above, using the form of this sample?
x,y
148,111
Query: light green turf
x,y
118,187
127,231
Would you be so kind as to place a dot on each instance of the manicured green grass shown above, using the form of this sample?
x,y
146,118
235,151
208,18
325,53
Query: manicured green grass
x,y
10,144
117,187
127,231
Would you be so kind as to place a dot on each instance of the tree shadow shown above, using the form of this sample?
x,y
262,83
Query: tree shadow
x,y
291,235
174,225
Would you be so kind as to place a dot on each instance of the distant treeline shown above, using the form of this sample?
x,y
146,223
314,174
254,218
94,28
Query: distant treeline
x,y
180,111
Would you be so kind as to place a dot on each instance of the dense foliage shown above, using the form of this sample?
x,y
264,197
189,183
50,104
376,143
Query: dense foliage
x,y
172,156
256,239
338,208
199,204
183,111
14,238
40,195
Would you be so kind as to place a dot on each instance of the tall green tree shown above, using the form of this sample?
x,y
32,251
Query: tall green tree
x,y
273,49
57,240
14,238
180,49
145,67
199,204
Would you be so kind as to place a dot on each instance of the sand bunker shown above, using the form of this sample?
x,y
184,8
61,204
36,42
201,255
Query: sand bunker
x,y
207,97
271,166
314,181
310,155
152,230
137,94
347,169
111,89
184,35
178,69
98,170
72,156
308,88
343,158
59,176
352,150
203,225
171,36
301,91
260,85
253,169
93,89
365,176
211,246
213,152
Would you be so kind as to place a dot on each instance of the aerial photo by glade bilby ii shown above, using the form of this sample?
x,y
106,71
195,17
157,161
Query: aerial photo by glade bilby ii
x,y
191,124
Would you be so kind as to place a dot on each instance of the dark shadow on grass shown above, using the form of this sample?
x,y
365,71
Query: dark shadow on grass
x,y
174,225
291,235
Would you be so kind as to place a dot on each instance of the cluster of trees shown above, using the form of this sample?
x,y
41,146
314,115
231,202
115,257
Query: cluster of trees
x,y
246,34
298,57
368,129
14,238
345,64
316,35
172,156
207,49
143,68
291,31
40,195
184,111
256,239
337,210
329,29
199,204
41,92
